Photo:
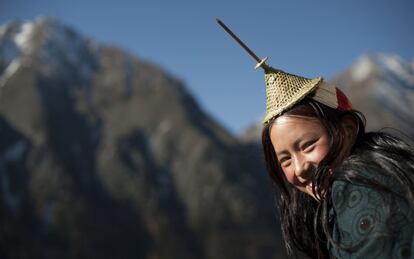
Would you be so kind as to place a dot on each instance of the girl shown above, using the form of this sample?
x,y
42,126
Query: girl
x,y
341,192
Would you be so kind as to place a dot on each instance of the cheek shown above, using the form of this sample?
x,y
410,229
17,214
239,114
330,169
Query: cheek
x,y
320,153
290,175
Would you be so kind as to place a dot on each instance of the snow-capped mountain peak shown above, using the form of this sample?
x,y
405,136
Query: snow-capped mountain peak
x,y
362,69
56,48
389,66
24,37
397,66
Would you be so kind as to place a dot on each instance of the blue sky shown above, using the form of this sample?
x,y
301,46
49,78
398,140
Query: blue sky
x,y
310,38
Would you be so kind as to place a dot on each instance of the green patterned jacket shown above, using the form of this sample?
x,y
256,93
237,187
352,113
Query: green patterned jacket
x,y
370,223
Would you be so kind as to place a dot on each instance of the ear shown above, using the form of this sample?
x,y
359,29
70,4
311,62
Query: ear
x,y
350,127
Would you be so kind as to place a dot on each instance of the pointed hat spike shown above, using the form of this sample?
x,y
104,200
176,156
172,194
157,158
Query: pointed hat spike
x,y
260,62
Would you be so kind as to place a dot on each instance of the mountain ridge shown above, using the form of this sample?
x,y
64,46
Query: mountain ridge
x,y
120,159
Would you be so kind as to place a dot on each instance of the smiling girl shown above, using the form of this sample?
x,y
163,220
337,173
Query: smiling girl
x,y
342,193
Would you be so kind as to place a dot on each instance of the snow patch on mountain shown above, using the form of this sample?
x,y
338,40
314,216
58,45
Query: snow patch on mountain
x,y
24,38
9,71
60,50
15,41
362,69
396,82
398,67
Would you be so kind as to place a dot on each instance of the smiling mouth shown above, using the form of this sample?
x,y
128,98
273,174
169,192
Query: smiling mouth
x,y
306,182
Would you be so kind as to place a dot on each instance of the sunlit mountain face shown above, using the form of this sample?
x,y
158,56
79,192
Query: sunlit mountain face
x,y
382,87
104,155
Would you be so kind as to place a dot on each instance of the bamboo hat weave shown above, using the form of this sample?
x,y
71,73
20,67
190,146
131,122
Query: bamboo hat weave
x,y
283,90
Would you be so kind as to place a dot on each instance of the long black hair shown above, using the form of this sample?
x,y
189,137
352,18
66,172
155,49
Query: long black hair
x,y
304,220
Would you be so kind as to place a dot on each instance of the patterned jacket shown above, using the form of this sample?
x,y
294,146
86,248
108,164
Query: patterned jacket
x,y
371,223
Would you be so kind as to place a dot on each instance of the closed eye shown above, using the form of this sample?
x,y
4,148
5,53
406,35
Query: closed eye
x,y
284,161
309,145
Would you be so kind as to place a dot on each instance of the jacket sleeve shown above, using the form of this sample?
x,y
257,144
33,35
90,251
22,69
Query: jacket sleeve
x,y
370,223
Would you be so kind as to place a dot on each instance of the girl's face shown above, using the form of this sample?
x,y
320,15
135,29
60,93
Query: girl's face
x,y
300,144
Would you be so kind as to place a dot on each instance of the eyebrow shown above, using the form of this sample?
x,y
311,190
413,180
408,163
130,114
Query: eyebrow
x,y
296,143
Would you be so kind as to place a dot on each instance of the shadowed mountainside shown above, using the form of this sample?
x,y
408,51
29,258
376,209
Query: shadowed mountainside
x,y
103,155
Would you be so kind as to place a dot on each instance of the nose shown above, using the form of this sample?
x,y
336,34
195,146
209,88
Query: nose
x,y
302,168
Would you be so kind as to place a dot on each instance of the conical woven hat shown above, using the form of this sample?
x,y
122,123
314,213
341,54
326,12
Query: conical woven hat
x,y
284,90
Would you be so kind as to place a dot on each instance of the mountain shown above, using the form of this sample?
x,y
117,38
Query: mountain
x,y
105,155
381,87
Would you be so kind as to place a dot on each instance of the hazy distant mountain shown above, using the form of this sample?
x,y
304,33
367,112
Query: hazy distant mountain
x,y
103,155
382,87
